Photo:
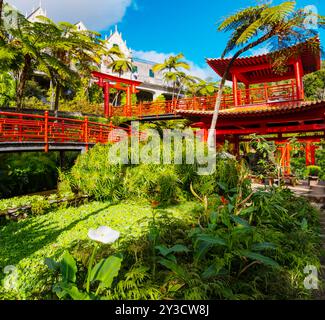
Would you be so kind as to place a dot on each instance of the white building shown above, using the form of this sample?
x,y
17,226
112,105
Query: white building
x,y
152,83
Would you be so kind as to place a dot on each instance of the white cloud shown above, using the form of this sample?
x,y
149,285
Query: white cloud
x,y
96,14
158,57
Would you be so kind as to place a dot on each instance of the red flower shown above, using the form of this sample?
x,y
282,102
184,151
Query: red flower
x,y
224,200
154,204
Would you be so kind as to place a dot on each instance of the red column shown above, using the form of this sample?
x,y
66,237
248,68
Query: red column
x,y
248,96
313,155
308,153
298,74
235,88
301,81
46,131
287,159
266,92
86,137
128,102
107,110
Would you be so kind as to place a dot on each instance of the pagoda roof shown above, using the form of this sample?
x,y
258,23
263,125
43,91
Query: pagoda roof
x,y
261,110
259,69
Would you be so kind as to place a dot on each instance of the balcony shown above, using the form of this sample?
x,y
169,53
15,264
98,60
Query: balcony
x,y
266,95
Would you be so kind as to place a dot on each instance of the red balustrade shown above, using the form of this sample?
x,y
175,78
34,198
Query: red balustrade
x,y
247,97
19,127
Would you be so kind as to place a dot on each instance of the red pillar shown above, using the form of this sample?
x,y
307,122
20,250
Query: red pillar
x,y
308,153
46,131
285,158
107,109
298,74
205,134
313,155
128,102
302,81
235,88
248,95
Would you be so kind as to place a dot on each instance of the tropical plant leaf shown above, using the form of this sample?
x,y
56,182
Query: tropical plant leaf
x,y
240,221
174,267
106,270
259,257
52,265
212,239
68,268
263,246
63,289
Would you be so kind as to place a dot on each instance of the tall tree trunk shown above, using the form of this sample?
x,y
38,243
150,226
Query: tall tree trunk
x,y
211,136
52,95
1,8
57,99
22,79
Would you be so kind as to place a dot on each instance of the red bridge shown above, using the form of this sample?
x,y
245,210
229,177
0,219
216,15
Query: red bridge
x,y
30,132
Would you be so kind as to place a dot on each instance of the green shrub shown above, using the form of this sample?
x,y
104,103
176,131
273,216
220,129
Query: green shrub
x,y
95,176
313,171
154,182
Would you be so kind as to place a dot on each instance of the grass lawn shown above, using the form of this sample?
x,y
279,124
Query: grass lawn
x,y
25,244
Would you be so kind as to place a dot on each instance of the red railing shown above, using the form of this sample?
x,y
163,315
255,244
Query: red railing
x,y
19,127
263,95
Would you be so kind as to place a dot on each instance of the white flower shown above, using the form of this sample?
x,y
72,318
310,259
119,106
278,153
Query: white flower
x,y
103,234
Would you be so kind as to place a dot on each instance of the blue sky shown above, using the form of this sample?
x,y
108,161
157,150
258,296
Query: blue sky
x,y
156,28
187,26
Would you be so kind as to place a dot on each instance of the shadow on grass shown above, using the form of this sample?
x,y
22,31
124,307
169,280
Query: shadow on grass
x,y
20,240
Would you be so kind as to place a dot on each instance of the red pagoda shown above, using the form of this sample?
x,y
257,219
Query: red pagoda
x,y
277,112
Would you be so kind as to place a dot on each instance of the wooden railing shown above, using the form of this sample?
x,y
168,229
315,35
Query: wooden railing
x,y
19,127
263,95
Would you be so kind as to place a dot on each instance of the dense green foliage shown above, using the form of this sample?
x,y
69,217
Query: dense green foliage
x,y
94,175
314,85
227,243
253,250
24,173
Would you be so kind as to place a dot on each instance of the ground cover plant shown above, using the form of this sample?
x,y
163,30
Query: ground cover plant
x,y
181,236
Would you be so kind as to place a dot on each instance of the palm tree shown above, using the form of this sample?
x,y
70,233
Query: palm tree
x,y
23,45
170,68
184,81
121,66
202,88
254,26
70,54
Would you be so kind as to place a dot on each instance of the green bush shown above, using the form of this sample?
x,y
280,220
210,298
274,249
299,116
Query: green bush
x,y
95,176
313,171
154,182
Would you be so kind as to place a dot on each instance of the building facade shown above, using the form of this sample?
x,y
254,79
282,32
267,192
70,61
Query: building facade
x,y
152,85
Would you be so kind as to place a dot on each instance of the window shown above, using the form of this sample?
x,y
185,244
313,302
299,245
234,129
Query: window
x,y
151,73
134,69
